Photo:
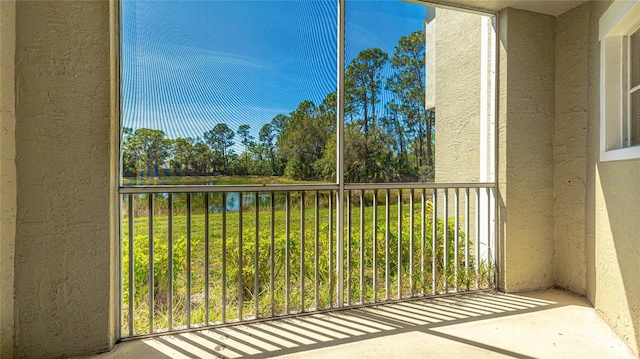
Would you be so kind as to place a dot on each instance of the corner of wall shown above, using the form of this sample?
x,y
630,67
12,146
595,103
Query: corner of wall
x,y
527,108
114,155
570,147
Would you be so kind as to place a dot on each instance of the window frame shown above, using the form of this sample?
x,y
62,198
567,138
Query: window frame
x,y
633,138
616,25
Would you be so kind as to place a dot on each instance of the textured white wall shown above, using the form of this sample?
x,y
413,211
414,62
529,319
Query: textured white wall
x,y
7,174
63,259
612,216
570,140
527,106
457,96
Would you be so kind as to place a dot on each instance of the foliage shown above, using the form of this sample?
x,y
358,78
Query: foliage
x,y
220,139
390,140
239,275
144,151
363,84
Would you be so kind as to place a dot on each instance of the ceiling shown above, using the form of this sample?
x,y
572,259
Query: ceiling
x,y
550,7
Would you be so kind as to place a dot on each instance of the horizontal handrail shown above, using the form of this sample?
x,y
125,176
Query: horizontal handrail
x,y
416,185
296,187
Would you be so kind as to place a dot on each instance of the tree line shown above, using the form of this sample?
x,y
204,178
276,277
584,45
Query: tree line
x,y
383,141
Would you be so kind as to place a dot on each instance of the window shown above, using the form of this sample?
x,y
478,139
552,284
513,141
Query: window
x,y
228,92
633,92
248,92
620,82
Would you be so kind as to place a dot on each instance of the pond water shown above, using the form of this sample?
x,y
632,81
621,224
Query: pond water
x,y
233,200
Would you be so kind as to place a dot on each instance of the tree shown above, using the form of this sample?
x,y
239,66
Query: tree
x,y
203,159
363,83
145,151
220,139
266,138
367,158
408,84
395,128
129,168
182,151
303,139
246,139
279,123
190,156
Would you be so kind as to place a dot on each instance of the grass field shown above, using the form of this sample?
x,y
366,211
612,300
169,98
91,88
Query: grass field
x,y
249,238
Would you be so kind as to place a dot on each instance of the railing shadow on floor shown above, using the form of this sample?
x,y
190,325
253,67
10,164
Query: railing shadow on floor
x,y
318,331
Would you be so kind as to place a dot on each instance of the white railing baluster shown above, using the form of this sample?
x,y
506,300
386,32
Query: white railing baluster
x,y
240,258
387,253
256,257
375,246
423,237
445,238
361,246
207,278
399,279
466,236
206,258
224,257
302,264
272,254
348,247
170,259
316,252
411,244
477,238
151,269
188,299
131,268
455,238
287,252
434,243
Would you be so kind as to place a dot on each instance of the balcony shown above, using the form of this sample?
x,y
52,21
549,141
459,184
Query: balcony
x,y
565,219
540,324
397,292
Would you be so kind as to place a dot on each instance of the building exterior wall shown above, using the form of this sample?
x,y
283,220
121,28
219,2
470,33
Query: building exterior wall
x,y
430,57
456,40
63,255
570,140
566,218
611,219
7,174
527,99
460,76
527,106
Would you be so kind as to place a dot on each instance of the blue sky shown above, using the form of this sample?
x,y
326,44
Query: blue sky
x,y
188,65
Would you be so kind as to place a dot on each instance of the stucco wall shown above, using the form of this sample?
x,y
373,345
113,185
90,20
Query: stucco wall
x,y
430,24
7,174
570,139
612,208
527,103
63,253
456,38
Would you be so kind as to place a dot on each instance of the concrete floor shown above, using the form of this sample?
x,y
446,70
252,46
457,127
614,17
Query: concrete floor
x,y
540,324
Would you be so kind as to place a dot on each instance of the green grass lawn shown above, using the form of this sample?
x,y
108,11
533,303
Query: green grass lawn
x,y
241,244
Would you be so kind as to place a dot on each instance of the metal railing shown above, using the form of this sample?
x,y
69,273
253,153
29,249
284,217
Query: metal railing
x,y
201,256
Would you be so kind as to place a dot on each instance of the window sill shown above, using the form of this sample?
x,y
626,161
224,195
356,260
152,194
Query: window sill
x,y
629,153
